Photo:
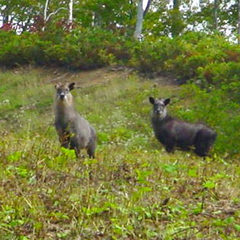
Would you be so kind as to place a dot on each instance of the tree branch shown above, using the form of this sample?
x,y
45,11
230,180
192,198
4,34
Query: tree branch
x,y
45,10
147,7
53,13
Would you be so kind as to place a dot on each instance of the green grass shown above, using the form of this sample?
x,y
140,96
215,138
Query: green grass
x,y
132,190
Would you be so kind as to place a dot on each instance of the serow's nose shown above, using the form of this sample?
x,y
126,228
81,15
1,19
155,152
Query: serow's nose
x,y
62,96
158,111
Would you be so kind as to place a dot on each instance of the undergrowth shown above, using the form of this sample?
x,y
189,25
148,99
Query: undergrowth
x,y
133,189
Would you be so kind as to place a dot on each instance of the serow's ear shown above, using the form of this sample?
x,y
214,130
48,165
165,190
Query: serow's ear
x,y
71,86
57,85
166,101
151,100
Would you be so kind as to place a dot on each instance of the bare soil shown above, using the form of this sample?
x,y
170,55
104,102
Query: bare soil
x,y
101,76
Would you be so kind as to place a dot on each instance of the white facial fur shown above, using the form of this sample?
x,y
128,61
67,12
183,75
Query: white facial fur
x,y
159,109
63,94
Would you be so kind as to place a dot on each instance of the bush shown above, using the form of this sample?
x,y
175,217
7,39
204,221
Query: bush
x,y
153,56
79,49
204,53
87,48
193,56
19,50
186,57
220,112
220,73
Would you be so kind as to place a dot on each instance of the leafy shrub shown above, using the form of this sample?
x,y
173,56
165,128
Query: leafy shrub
x,y
186,57
153,56
81,48
193,56
18,50
220,73
88,48
203,53
220,112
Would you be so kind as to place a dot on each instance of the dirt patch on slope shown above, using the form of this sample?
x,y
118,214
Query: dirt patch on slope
x,y
101,76
94,77
89,78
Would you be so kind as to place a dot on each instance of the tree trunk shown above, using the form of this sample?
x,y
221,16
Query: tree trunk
x,y
215,13
138,29
176,19
176,4
147,7
238,27
45,10
70,18
5,18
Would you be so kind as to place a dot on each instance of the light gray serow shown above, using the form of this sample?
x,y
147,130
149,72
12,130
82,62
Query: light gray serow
x,y
74,131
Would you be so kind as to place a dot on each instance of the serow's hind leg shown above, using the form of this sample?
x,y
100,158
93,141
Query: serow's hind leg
x,y
77,152
202,148
91,149
90,153
201,152
170,148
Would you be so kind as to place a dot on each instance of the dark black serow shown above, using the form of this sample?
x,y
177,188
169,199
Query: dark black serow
x,y
174,133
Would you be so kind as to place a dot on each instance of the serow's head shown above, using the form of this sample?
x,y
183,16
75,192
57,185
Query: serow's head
x,y
63,91
159,106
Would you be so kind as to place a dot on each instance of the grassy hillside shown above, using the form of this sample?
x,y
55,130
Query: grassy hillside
x,y
132,190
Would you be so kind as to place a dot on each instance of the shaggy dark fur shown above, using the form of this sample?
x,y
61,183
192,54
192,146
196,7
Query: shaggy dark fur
x,y
174,133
